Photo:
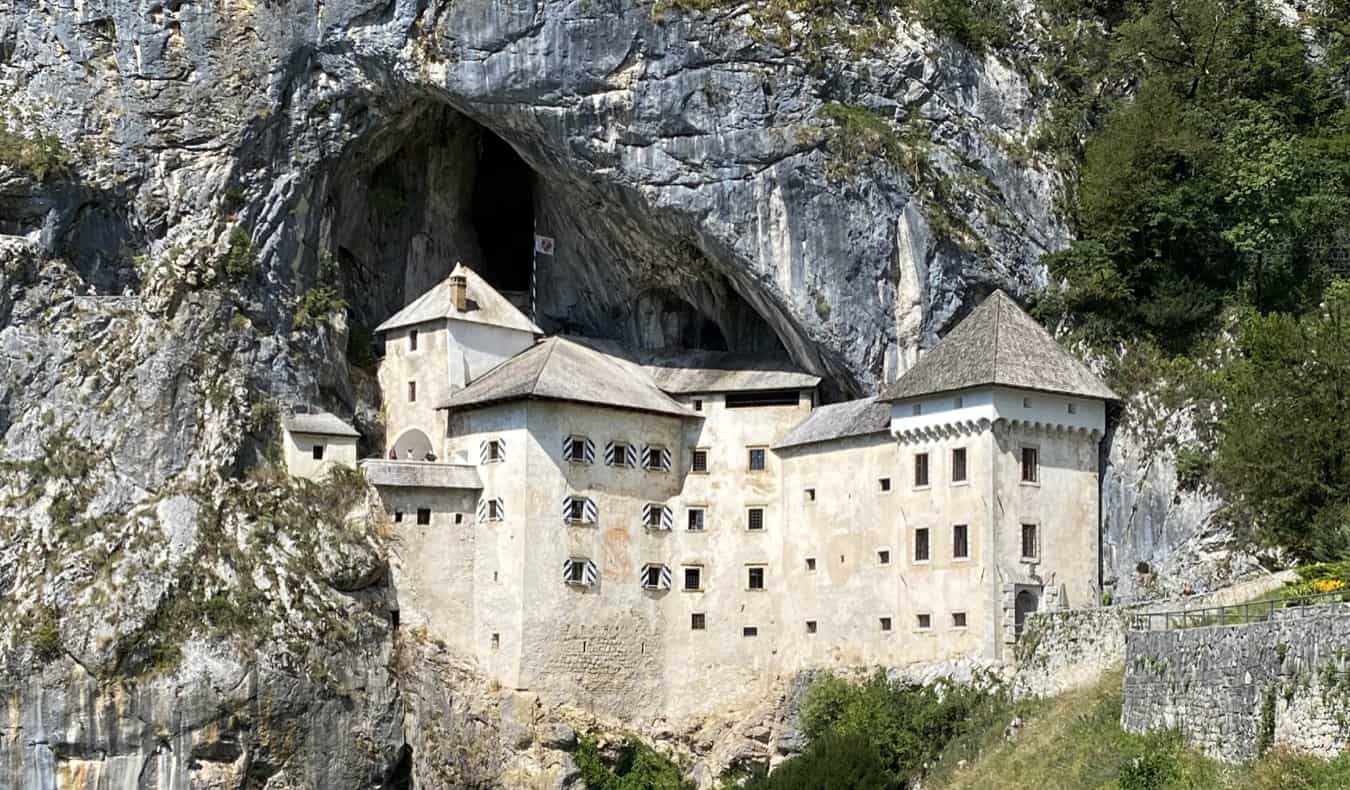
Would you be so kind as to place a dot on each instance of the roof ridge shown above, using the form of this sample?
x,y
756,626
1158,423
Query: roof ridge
x,y
998,320
538,374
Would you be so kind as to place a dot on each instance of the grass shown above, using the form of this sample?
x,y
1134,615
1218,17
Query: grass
x,y
1075,742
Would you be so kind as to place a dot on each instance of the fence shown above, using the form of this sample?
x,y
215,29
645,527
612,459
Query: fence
x,y
1238,614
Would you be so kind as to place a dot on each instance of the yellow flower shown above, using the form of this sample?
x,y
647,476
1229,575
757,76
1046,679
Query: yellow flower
x,y
1328,585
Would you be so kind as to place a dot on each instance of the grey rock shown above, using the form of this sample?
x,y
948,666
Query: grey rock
x,y
558,736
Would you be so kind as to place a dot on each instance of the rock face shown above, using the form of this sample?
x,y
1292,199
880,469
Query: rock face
x,y
219,175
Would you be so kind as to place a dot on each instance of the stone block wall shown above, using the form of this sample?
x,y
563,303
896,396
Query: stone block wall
x,y
1235,690
1068,649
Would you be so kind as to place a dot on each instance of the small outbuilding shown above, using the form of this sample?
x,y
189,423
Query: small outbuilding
x,y
315,441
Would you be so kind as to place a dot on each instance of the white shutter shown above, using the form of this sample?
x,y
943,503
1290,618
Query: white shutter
x,y
665,577
632,455
567,571
567,509
665,459
501,450
667,518
482,509
482,452
646,456
567,448
609,453
592,574
592,513
647,514
590,451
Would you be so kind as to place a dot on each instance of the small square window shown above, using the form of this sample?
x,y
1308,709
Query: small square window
x,y
960,542
700,461
576,449
576,509
620,454
755,580
1030,465
653,457
749,630
318,452
757,455
810,626
959,465
696,517
958,619
884,483
693,578
576,573
698,621
885,623
698,404
398,516
654,511
494,451
959,401
424,515
1029,542
412,340
921,544
651,577
811,563
459,518
810,494
1073,407
917,409
494,510
412,392
924,622
920,470
883,557
755,519
496,641
1026,403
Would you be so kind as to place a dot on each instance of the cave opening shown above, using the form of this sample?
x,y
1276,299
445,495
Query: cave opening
x,y
502,213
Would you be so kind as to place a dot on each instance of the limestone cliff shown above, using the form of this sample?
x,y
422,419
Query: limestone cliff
x,y
205,208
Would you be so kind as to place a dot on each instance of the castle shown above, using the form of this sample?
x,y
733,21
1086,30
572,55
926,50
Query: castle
x,y
659,534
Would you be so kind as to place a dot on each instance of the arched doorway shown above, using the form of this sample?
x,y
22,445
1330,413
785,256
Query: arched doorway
x,y
1026,602
412,445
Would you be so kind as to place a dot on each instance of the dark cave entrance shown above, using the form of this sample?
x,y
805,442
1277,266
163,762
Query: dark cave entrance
x,y
502,212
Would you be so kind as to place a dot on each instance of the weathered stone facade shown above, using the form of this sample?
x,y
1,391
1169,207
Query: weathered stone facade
x,y
1235,690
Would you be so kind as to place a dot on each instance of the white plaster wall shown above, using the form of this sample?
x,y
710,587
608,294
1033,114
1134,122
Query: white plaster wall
x,y
299,453
433,564
992,403
474,349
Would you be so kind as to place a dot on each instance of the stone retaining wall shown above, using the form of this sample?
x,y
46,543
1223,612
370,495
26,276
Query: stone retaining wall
x,y
1235,690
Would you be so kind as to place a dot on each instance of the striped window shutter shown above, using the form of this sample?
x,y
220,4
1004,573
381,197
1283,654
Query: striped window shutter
x,y
609,453
592,574
662,579
589,573
592,511
567,571
647,514
667,518
632,454
590,451
501,450
665,459
589,514
482,509
665,577
482,452
567,448
567,509
501,509
646,455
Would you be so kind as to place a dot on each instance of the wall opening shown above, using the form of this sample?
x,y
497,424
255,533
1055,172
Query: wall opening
x,y
503,213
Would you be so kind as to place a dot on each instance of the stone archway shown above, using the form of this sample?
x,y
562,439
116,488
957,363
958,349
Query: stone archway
x,y
1026,602
412,445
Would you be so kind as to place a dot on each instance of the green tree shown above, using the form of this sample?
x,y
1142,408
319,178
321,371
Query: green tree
x,y
1282,450
831,762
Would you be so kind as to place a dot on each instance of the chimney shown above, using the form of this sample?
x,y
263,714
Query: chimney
x,y
459,293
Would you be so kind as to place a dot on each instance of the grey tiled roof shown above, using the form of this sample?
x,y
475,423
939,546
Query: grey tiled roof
x,y
839,420
567,369
720,371
998,344
320,422
486,306
417,474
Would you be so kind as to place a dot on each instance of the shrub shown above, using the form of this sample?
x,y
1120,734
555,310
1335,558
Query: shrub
x,y
47,634
1152,764
39,156
317,305
239,261
638,767
842,761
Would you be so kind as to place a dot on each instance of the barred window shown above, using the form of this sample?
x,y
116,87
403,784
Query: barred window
x,y
757,459
921,545
755,519
960,542
959,465
920,470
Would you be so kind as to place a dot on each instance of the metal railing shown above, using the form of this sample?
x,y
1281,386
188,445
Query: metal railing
x,y
1238,614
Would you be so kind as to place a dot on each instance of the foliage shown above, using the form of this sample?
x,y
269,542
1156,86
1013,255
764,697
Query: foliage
x,y
1222,176
45,627
638,767
239,261
1282,451
39,156
835,761
317,305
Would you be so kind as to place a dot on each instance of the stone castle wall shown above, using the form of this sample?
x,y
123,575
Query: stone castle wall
x,y
1234,690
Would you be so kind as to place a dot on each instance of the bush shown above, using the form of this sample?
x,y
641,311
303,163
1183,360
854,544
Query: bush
x,y
833,762
1152,763
39,157
317,305
638,767
239,261
47,635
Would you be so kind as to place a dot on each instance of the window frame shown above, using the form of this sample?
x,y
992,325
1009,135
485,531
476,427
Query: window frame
x,y
810,564
621,454
887,624
920,625
811,627
750,459
317,452
750,511
698,621
575,441
412,340
684,578
494,451
750,631
927,470
965,467
1035,479
964,531
412,392
652,452
965,621
1035,540
420,522
927,552
884,556
750,569
702,510
694,455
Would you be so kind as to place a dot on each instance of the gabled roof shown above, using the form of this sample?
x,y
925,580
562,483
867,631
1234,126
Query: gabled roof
x,y
320,423
998,344
688,372
486,306
420,474
564,369
839,421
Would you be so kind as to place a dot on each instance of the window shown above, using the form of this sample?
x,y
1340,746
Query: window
x,y
1026,403
885,623
575,450
654,577
412,340
1029,542
491,452
924,622
749,630
921,545
884,557
810,626
810,494
959,465
318,452
581,572
755,577
655,459
958,619
576,572
698,404
755,519
424,516
921,470
757,459
412,392
398,516
700,462
491,510
657,516
1030,464
696,517
1073,407
620,454
496,641
959,402
811,563
744,400
576,509
698,621
693,578
884,483
960,542
917,409
459,518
